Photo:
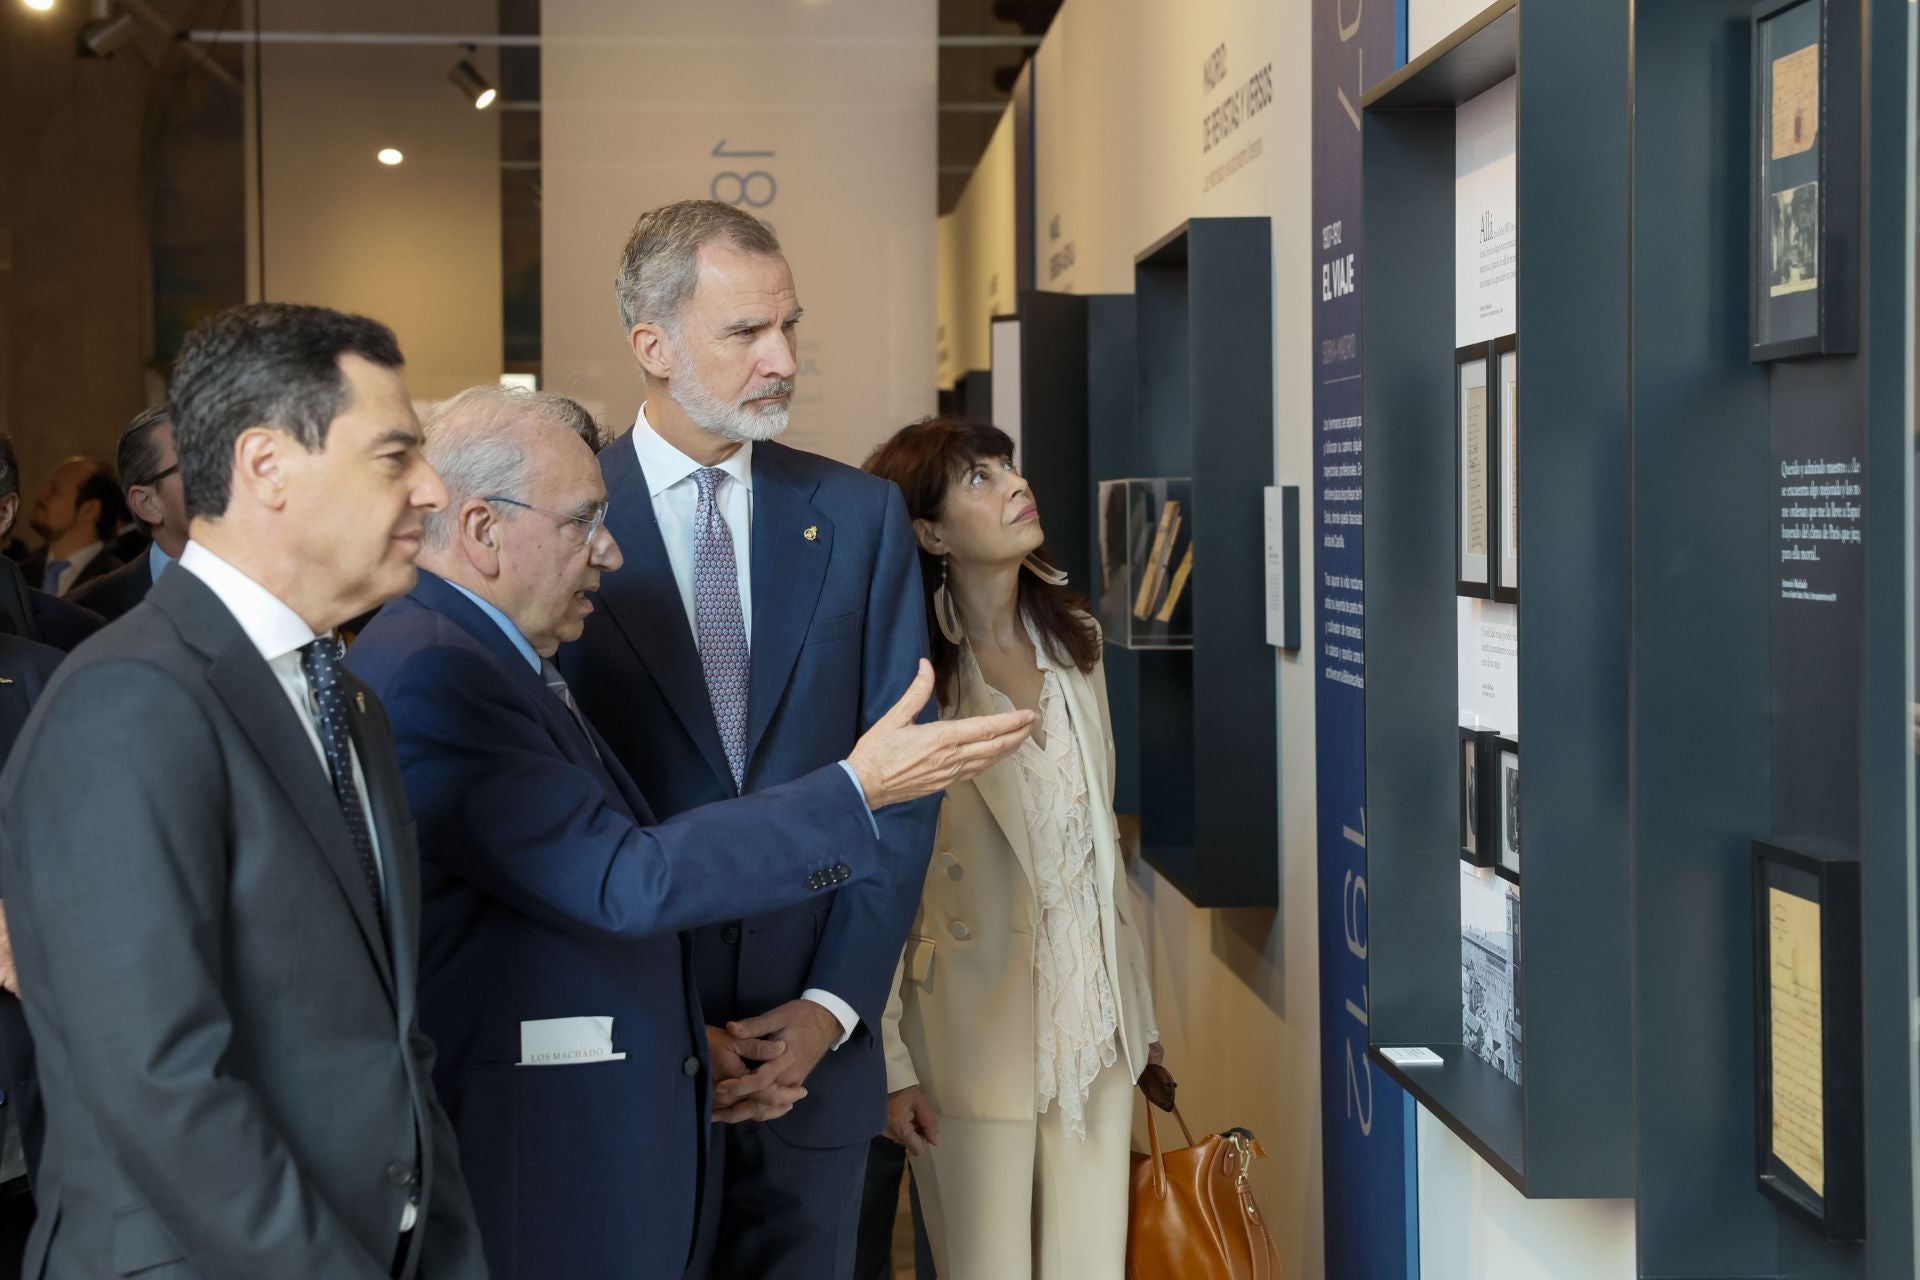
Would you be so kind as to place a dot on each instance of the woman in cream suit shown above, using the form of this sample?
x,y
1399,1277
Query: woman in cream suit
x,y
1020,1016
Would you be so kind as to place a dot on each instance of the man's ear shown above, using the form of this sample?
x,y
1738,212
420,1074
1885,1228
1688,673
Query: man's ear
x,y
653,348
9,512
927,534
144,502
260,465
87,514
478,527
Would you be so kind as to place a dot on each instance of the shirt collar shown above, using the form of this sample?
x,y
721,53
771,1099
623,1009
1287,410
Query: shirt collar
x,y
665,466
275,629
504,623
78,560
157,562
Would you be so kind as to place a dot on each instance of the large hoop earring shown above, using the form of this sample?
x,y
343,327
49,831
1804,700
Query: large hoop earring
x,y
1045,572
944,612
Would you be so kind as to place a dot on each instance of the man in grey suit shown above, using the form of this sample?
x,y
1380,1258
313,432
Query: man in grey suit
x,y
217,952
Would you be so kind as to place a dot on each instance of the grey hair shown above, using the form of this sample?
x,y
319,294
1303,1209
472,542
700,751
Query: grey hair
x,y
661,264
477,441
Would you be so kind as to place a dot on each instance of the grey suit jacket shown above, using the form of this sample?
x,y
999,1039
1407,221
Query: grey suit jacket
x,y
234,1080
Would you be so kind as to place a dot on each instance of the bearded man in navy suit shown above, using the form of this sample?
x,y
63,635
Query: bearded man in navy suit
x,y
769,609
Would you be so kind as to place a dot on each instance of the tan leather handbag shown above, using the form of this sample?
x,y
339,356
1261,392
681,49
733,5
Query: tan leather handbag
x,y
1191,1214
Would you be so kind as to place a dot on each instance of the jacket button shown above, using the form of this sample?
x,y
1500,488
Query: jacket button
x,y
400,1175
730,934
691,1066
959,930
842,872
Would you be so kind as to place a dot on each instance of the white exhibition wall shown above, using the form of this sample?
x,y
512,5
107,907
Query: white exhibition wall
x,y
976,260
416,245
1146,115
818,117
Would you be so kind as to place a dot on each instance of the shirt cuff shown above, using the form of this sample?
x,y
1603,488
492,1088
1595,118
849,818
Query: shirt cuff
x,y
839,1008
871,820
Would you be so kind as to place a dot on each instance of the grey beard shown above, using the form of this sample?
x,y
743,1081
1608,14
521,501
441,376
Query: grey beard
x,y
747,423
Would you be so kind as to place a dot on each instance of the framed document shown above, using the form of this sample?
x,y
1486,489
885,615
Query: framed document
x,y
1504,767
1805,218
1506,365
1473,473
1477,841
1808,1071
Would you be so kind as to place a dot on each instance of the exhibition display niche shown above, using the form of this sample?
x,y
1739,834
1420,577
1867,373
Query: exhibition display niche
x,y
1469,1011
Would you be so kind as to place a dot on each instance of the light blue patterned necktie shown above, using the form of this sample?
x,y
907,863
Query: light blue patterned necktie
x,y
718,626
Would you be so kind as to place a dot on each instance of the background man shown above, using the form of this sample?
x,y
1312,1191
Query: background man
x,y
768,611
551,898
150,470
217,952
25,610
77,511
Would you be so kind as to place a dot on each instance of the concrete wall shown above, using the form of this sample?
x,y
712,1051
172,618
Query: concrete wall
x,y
976,276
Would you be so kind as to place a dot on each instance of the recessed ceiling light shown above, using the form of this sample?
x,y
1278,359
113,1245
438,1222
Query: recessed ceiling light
x,y
39,6
390,156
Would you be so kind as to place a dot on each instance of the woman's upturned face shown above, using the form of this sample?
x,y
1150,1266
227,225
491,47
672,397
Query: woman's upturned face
x,y
989,516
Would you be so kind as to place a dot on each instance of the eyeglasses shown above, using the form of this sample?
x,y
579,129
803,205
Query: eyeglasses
x,y
155,478
594,522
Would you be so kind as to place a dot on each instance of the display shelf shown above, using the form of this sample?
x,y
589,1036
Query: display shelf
x,y
1146,556
1567,1129
1480,1105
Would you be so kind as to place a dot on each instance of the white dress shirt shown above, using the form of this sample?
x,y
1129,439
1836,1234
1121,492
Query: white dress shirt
x,y
76,563
676,495
279,634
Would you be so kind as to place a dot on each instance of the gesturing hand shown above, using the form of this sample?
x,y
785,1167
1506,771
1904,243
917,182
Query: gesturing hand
x,y
910,1120
898,760
806,1029
740,1090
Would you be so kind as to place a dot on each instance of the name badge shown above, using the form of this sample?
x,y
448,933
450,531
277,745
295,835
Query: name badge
x,y
554,1042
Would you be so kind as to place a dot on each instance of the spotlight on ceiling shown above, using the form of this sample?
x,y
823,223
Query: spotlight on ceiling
x,y
39,6
389,156
472,85
102,37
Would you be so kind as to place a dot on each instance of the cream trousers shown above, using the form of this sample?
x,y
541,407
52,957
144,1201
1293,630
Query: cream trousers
x,y
1020,1200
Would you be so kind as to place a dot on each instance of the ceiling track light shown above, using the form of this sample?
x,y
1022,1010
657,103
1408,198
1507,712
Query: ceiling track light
x,y
39,6
106,34
472,85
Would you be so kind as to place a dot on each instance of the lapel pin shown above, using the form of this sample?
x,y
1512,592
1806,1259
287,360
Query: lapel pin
x,y
811,532
6,680
360,701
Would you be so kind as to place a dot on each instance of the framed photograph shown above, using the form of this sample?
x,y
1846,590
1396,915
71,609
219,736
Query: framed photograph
x,y
1809,1126
1473,473
1504,765
1506,365
1805,222
1478,844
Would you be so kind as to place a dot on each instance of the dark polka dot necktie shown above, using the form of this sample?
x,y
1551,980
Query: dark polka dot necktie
x,y
718,625
321,661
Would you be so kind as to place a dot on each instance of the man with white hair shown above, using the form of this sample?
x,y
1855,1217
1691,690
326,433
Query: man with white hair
x,y
572,1056
769,609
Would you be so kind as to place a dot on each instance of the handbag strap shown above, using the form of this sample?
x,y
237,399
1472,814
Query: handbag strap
x,y
1153,1143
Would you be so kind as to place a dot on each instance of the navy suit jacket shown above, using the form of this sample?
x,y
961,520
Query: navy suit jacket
x,y
548,892
839,626
112,594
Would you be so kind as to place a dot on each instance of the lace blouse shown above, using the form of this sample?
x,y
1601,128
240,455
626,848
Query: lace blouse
x,y
1074,1005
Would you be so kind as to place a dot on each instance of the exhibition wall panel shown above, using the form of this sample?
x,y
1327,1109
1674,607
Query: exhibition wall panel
x,y
976,248
819,118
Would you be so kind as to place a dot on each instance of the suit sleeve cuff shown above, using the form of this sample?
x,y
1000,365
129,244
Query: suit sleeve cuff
x,y
871,820
834,1005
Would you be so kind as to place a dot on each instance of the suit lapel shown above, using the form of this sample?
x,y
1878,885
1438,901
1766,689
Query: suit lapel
x,y
999,786
792,544
258,703
253,695
644,602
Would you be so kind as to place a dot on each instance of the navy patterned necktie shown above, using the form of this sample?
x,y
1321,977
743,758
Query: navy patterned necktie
x,y
321,661
557,686
719,628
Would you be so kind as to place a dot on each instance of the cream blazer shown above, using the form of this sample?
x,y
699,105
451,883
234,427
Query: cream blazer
x,y
960,1023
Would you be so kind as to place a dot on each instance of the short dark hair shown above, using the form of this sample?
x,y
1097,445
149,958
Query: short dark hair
x,y
9,467
139,455
262,364
103,487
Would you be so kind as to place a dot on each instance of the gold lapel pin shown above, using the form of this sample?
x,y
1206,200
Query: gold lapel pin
x,y
360,701
6,679
811,532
